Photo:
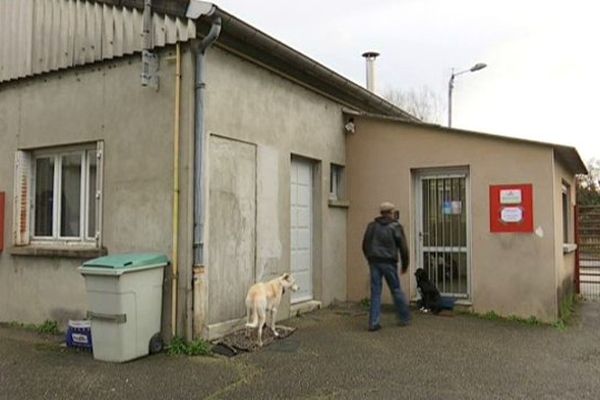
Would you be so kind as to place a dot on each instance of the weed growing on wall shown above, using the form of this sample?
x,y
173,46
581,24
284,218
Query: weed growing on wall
x,y
567,309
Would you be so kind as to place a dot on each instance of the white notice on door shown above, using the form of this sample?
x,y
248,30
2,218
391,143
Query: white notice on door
x,y
511,214
510,196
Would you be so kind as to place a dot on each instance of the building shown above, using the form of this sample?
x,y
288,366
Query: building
x,y
183,130
93,162
489,217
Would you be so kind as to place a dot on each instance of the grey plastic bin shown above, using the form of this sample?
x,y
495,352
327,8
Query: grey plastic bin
x,y
124,294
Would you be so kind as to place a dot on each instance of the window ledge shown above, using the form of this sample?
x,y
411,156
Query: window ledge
x,y
62,252
339,203
569,248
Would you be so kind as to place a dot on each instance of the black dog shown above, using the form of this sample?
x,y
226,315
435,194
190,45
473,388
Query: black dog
x,y
430,295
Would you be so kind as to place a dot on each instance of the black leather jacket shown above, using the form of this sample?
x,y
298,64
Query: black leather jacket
x,y
383,240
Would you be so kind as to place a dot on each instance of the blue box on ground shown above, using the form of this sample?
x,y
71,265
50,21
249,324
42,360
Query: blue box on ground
x,y
447,303
79,334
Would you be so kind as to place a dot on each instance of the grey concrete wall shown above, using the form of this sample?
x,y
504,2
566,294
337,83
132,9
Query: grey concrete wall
x,y
510,273
248,103
105,102
100,102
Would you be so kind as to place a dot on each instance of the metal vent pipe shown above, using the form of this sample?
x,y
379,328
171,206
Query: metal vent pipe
x,y
370,57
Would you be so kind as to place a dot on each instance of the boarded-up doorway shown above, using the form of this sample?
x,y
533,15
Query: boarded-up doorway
x,y
232,240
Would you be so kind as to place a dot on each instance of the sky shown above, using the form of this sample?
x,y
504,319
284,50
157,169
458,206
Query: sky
x,y
543,76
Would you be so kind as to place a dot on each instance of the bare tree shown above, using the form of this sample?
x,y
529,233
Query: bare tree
x,y
423,103
588,186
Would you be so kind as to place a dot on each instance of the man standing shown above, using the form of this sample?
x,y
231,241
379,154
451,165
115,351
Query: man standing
x,y
383,240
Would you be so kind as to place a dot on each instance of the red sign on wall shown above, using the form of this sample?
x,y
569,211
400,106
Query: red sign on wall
x,y
511,208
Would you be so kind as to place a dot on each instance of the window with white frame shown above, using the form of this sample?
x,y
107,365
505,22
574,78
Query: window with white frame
x,y
566,211
336,182
60,195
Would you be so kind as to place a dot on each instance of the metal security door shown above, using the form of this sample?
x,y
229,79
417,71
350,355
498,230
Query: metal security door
x,y
301,198
442,231
587,231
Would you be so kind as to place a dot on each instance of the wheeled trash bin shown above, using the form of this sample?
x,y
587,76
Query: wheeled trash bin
x,y
124,294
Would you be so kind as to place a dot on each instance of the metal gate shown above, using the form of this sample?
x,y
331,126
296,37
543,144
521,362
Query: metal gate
x,y
587,276
443,250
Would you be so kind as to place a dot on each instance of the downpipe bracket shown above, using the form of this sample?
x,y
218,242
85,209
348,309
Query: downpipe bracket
x,y
150,68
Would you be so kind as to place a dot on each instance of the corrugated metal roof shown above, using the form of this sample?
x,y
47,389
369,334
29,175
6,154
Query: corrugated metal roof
x,y
39,36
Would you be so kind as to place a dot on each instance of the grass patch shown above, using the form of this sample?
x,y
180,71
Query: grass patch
x,y
48,327
366,302
19,325
179,347
567,310
528,321
490,316
493,316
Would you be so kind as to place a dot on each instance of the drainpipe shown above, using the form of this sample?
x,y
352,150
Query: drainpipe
x,y
199,139
175,227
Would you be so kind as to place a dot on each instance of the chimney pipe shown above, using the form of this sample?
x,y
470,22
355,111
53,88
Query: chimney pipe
x,y
370,57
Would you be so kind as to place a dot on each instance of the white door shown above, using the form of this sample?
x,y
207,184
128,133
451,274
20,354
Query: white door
x,y
301,228
442,231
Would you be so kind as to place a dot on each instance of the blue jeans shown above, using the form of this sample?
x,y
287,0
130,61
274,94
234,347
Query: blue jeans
x,y
389,271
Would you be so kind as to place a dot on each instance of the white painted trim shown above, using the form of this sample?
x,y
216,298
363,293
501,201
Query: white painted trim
x,y
57,154
311,165
569,248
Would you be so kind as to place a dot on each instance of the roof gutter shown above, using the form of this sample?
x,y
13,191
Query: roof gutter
x,y
296,64
298,61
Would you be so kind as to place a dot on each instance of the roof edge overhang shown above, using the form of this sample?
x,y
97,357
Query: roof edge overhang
x,y
567,155
240,37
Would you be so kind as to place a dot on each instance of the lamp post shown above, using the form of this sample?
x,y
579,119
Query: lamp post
x,y
474,68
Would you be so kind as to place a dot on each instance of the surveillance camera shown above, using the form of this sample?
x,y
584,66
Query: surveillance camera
x,y
349,127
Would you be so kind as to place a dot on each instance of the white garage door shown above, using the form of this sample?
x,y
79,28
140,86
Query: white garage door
x,y
301,228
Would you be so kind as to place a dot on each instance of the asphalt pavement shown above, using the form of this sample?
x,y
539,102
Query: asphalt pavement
x,y
332,356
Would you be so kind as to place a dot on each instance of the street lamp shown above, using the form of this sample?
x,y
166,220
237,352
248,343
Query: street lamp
x,y
474,68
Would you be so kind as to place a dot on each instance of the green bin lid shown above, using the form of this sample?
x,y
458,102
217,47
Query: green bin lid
x,y
127,261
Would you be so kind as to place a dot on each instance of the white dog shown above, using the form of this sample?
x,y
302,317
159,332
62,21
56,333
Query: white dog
x,y
265,297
